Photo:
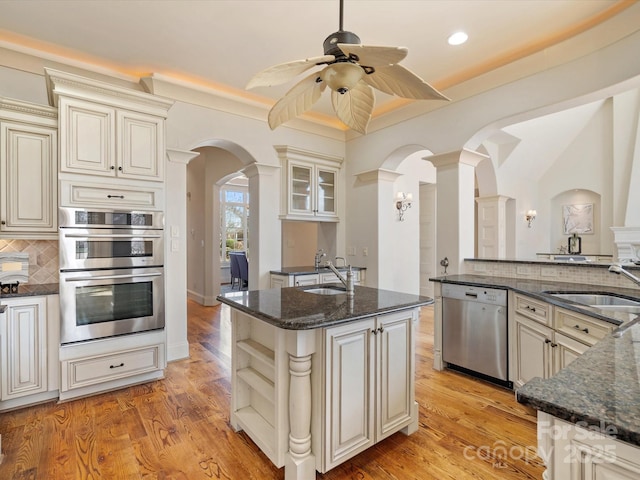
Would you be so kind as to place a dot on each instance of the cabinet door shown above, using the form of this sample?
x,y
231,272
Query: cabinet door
x,y
24,348
28,178
395,372
140,146
279,281
300,189
326,188
87,140
565,351
533,351
349,400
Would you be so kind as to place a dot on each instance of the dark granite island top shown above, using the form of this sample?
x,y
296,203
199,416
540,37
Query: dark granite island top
x,y
294,309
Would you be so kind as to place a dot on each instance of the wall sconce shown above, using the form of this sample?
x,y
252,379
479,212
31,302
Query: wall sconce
x,y
403,201
530,217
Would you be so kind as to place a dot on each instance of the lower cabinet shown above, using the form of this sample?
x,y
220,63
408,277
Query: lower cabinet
x,y
547,339
28,344
541,352
370,392
326,393
282,281
106,364
573,452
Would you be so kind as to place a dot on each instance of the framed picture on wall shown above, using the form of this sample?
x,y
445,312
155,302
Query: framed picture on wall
x,y
577,219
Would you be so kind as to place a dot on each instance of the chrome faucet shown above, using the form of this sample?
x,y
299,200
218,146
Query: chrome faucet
x,y
319,254
347,282
619,270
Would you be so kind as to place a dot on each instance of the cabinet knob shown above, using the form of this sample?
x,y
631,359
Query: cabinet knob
x,y
3,222
112,167
120,168
546,340
117,366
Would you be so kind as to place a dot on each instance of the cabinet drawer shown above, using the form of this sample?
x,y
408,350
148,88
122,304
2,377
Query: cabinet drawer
x,y
533,309
90,371
585,329
74,194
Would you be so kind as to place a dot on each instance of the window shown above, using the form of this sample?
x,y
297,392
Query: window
x,y
234,216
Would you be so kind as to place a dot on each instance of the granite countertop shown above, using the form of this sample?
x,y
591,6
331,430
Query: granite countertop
x,y
309,270
539,288
601,388
32,290
294,309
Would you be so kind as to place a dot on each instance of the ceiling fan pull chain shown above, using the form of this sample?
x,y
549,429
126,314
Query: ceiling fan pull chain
x,y
341,15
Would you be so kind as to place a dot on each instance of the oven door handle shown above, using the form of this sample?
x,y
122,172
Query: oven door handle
x,y
110,277
109,235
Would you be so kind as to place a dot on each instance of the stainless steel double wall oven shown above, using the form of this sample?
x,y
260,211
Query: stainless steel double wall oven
x,y
111,273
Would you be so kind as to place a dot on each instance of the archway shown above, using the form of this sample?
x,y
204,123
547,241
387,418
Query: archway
x,y
219,160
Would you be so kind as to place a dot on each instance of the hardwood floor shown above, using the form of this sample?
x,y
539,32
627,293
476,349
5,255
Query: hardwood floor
x,y
178,428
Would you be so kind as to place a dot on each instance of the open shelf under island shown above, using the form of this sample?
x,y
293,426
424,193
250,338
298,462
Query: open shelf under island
x,y
317,379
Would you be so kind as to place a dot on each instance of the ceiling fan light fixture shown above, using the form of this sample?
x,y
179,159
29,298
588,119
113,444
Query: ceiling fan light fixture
x,y
342,76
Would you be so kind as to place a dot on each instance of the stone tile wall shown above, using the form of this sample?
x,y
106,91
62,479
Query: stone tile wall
x,y
43,258
597,274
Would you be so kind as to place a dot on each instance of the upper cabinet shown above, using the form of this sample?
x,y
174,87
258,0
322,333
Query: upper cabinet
x,y
108,131
101,140
312,183
28,170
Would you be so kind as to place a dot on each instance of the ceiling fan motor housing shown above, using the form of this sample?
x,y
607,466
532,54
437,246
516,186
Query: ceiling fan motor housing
x,y
331,42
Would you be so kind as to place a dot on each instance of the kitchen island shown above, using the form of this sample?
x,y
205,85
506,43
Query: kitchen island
x,y
318,378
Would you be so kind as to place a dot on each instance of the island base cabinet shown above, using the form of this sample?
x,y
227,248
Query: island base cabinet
x,y
572,452
311,399
369,385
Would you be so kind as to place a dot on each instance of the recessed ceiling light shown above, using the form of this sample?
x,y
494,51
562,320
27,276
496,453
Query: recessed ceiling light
x,y
458,38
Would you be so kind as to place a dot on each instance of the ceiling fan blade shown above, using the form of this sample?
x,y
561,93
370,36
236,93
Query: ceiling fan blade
x,y
283,72
400,81
374,56
297,100
354,107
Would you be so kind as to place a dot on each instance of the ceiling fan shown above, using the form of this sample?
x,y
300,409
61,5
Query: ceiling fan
x,y
352,71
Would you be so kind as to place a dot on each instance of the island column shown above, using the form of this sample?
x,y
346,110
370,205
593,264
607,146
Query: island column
x,y
300,463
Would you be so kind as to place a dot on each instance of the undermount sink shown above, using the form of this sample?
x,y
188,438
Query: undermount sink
x,y
601,300
325,290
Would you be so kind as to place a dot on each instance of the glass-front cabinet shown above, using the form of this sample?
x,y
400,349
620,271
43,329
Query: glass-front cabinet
x,y
312,186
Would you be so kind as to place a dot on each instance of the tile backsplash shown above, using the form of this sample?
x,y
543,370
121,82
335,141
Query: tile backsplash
x,y
43,258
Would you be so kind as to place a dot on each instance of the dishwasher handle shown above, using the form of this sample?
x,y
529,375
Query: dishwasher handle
x,y
471,294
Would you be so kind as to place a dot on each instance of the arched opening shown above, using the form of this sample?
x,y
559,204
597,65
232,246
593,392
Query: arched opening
x,y
219,164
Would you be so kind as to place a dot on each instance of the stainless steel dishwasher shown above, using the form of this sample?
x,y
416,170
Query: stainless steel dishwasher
x,y
474,331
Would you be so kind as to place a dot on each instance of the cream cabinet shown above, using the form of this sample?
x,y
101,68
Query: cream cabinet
x,y
547,338
281,281
24,348
28,171
106,364
541,351
107,141
370,392
575,452
326,393
29,338
312,190
311,185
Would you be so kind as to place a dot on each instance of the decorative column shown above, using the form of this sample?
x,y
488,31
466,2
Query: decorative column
x,y
264,228
455,224
175,259
300,462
